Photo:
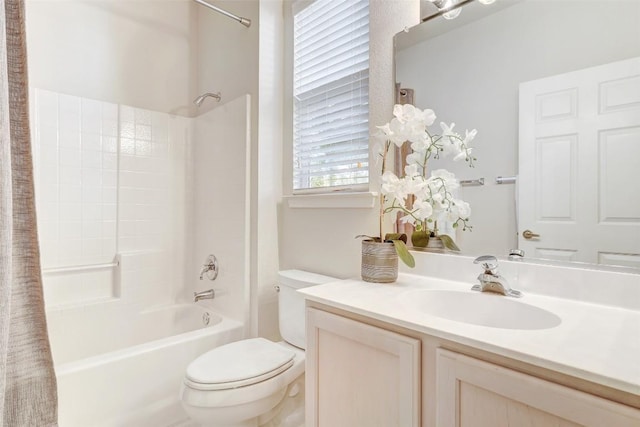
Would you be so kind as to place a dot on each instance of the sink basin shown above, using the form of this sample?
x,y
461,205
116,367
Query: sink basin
x,y
480,308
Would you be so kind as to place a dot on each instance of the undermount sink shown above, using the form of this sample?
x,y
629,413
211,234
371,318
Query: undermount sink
x,y
480,308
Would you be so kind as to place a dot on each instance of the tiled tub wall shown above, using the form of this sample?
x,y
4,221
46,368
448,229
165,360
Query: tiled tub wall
x,y
110,179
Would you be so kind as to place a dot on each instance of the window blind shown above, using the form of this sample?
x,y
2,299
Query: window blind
x,y
331,94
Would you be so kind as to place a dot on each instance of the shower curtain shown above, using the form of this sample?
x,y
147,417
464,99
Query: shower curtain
x,y
27,381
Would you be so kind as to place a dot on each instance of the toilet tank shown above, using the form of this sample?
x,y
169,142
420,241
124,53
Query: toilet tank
x,y
291,303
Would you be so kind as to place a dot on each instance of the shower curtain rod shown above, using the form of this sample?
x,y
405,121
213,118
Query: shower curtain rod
x,y
244,21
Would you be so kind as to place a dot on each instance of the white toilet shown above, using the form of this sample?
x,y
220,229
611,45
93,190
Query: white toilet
x,y
254,382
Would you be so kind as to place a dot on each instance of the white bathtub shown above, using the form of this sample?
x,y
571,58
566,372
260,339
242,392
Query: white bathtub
x,y
130,375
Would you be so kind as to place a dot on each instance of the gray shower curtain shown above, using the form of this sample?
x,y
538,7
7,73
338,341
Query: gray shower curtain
x,y
27,381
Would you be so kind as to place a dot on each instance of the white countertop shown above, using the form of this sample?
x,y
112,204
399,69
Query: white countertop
x,y
593,342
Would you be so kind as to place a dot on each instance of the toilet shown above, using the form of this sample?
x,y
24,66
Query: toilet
x,y
255,382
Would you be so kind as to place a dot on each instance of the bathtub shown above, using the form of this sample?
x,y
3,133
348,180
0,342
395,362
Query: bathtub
x,y
125,369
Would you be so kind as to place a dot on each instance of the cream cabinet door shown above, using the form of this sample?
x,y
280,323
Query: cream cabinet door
x,y
472,393
360,375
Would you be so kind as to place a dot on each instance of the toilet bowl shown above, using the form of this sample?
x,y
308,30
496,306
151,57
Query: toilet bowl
x,y
252,382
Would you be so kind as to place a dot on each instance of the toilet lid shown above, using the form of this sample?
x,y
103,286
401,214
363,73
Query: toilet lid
x,y
238,364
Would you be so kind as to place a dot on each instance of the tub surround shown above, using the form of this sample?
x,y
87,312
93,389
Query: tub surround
x,y
597,339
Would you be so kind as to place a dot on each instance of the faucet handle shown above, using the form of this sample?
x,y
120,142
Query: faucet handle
x,y
489,263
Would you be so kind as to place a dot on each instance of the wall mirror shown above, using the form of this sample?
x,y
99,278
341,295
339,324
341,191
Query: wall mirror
x,y
553,88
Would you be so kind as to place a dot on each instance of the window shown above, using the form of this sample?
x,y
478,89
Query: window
x,y
331,94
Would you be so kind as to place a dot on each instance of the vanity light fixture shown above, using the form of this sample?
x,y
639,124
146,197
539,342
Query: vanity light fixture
x,y
450,8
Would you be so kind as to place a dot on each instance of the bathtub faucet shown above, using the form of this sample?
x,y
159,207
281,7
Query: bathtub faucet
x,y
208,294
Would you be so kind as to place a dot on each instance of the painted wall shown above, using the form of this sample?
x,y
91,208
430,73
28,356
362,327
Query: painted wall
x,y
322,240
140,53
475,85
269,158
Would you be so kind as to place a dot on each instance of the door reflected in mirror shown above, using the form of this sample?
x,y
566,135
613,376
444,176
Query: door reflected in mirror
x,y
553,88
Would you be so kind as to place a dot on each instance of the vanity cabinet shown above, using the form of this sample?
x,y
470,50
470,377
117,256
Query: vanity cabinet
x,y
364,372
473,393
360,375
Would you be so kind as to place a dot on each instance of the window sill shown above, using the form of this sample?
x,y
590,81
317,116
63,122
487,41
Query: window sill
x,y
363,200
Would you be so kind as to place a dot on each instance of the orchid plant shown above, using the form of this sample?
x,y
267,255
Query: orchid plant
x,y
434,194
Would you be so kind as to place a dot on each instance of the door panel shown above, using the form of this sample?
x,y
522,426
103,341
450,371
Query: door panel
x,y
579,163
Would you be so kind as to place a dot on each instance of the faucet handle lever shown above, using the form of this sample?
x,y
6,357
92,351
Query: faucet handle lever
x,y
489,263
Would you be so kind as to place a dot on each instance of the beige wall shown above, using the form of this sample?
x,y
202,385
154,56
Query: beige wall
x,y
138,53
269,153
322,240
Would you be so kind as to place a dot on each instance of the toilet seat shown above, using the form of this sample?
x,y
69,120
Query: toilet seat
x,y
238,364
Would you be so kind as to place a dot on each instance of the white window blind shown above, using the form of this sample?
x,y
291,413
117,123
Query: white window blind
x,y
331,94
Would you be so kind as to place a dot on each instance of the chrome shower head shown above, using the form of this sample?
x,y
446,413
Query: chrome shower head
x,y
199,100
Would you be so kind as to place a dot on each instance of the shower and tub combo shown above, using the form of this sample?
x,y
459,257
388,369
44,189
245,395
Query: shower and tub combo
x,y
126,213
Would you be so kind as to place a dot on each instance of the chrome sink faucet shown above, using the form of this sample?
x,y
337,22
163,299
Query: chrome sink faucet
x,y
490,280
208,294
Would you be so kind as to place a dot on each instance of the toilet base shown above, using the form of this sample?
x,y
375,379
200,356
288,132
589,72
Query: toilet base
x,y
287,410
290,412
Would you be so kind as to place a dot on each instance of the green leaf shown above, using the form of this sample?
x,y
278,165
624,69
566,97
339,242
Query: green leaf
x,y
396,236
449,243
420,239
364,236
404,253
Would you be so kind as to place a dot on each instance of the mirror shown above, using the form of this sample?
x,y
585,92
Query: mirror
x,y
553,88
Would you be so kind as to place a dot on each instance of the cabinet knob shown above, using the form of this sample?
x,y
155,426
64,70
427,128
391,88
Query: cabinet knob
x,y
528,234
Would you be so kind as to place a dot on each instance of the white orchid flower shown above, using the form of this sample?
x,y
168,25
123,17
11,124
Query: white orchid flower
x,y
391,134
448,130
423,209
403,112
394,186
434,196
463,208
415,158
407,218
415,185
411,170
462,154
428,117
444,175
469,136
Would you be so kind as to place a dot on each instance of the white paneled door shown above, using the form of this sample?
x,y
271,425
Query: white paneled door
x,y
579,179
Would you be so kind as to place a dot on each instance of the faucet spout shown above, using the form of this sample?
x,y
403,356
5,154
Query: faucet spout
x,y
208,294
491,281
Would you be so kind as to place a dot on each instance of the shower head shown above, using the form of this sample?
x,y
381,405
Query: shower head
x,y
199,100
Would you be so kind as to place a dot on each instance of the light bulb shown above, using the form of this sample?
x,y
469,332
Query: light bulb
x,y
448,4
453,14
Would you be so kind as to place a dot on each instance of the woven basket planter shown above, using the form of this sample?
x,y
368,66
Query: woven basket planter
x,y
379,262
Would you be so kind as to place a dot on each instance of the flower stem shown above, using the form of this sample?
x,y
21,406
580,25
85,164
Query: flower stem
x,y
384,168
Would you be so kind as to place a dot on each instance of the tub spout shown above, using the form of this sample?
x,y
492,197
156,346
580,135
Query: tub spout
x,y
208,294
